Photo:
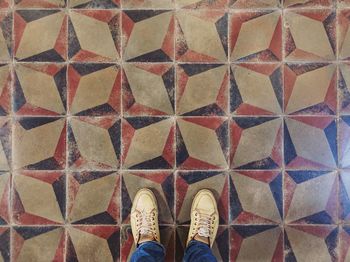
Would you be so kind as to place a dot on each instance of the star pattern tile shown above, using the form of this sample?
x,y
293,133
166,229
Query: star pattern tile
x,y
256,36
202,89
302,96
310,35
248,98
148,89
94,36
40,35
148,35
201,36
40,89
310,142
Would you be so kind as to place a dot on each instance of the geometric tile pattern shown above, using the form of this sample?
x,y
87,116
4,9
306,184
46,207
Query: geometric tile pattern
x,y
302,96
256,36
202,89
256,197
32,81
148,143
249,98
256,89
40,35
94,143
310,142
310,197
248,243
148,89
201,36
248,134
94,89
93,198
344,88
39,198
310,243
148,35
94,36
310,35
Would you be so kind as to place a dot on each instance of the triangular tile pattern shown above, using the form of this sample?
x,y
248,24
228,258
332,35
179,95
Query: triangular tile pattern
x,y
247,98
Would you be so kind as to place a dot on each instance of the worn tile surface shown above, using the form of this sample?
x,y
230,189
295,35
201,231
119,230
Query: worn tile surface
x,y
248,98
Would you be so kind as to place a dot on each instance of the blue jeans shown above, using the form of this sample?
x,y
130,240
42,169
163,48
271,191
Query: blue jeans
x,y
154,252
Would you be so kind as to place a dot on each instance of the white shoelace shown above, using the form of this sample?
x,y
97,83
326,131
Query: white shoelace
x,y
204,225
145,226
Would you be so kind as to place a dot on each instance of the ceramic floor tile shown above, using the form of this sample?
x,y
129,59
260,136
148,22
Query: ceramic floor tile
x,y
310,243
152,4
128,247
40,3
162,185
310,35
343,3
344,241
189,183
344,88
148,35
5,145
310,89
148,89
40,35
310,197
256,36
344,196
254,3
94,89
310,142
205,4
256,243
93,198
96,4
94,35
256,89
5,3
5,187
344,141
5,244
38,244
308,3
94,143
148,143
256,142
220,247
5,35
39,198
93,243
5,89
39,143
201,36
344,34
202,143
39,89
202,89
256,197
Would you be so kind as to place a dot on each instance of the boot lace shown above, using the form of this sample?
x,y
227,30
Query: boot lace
x,y
204,224
145,223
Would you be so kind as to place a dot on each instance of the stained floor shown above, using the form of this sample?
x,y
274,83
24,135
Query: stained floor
x,y
249,98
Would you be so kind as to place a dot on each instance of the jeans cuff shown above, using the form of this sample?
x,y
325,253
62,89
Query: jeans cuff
x,y
151,243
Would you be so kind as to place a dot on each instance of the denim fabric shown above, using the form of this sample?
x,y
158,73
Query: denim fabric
x,y
154,252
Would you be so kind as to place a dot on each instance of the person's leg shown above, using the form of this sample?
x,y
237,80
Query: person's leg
x,y
148,252
145,229
198,251
203,229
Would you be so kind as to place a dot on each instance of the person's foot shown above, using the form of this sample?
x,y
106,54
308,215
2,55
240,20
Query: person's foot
x,y
204,218
144,217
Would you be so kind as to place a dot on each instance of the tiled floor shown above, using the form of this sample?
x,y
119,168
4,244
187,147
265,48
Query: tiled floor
x,y
250,98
